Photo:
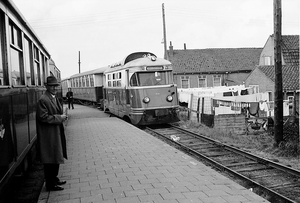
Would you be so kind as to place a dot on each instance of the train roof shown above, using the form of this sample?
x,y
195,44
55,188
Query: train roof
x,y
25,23
91,72
136,59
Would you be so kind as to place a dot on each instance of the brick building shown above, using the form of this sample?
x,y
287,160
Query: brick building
x,y
212,67
263,76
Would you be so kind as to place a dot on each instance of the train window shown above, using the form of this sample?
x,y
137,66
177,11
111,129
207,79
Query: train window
x,y
37,70
16,52
92,81
28,62
87,81
119,83
134,80
3,67
83,81
154,78
44,75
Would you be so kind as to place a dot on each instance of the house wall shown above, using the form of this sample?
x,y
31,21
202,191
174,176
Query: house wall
x,y
231,79
268,50
256,77
267,85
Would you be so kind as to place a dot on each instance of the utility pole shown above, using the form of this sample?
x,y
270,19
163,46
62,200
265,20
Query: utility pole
x,y
278,103
79,62
166,56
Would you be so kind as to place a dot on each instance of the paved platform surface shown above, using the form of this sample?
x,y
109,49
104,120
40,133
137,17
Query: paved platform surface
x,y
111,161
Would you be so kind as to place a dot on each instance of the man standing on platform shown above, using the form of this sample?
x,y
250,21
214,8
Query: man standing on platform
x,y
69,96
51,140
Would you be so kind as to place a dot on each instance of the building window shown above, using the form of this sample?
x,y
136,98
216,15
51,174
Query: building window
x,y
270,95
217,80
291,100
185,82
255,88
202,81
267,60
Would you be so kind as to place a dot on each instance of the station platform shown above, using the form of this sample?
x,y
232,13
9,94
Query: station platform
x,y
112,161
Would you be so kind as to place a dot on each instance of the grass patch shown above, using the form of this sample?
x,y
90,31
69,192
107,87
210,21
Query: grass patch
x,y
288,152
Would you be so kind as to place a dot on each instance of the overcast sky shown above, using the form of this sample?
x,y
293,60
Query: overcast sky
x,y
105,31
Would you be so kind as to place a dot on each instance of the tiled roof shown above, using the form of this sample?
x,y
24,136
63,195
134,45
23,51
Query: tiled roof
x,y
214,60
290,49
290,76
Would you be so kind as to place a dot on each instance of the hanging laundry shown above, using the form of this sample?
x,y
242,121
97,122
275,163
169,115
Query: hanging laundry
x,y
253,109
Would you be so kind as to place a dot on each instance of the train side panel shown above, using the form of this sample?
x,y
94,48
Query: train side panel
x,y
18,130
26,63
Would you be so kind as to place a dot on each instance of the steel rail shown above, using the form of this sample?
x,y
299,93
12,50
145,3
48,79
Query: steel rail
x,y
223,167
244,153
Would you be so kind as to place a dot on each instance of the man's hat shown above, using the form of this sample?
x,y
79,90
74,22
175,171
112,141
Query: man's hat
x,y
52,81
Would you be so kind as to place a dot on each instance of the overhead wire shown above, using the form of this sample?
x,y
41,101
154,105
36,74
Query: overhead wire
x,y
172,12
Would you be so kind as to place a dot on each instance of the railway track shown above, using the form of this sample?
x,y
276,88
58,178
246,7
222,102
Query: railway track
x,y
273,181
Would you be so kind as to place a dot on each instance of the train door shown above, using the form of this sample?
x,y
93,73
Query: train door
x,y
127,94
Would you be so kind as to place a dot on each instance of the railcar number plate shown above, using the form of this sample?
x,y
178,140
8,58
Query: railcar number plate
x,y
161,112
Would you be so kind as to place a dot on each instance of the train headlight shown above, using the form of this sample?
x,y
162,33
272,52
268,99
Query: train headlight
x,y
146,100
169,98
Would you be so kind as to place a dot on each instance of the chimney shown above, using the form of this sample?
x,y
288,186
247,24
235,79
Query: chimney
x,y
171,49
184,46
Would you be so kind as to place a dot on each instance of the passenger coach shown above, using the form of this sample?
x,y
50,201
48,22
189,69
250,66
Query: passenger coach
x,y
140,89
87,86
24,66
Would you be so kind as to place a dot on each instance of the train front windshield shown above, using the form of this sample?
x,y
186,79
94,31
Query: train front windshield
x,y
151,78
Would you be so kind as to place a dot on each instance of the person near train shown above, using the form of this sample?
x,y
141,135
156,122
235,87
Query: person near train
x,y
51,140
69,96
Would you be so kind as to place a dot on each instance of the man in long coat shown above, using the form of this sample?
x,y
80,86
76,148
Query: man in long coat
x,y
51,140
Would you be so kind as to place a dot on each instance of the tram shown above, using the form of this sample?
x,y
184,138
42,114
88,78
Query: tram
x,y
140,89
24,66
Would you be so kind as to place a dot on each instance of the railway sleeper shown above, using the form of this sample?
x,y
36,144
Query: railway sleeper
x,y
194,144
205,148
240,164
217,154
285,185
266,175
189,140
253,168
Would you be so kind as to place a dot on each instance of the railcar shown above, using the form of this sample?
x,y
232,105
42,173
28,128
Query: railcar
x,y
140,89
24,66
87,86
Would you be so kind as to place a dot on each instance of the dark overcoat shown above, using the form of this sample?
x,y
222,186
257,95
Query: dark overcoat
x,y
51,140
